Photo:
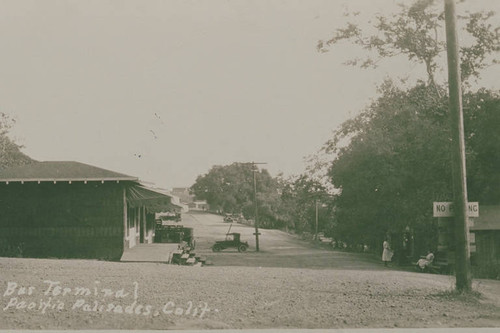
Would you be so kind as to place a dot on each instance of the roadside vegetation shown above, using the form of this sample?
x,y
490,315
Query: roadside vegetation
x,y
10,151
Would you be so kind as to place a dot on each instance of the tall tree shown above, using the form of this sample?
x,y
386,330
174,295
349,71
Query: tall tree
x,y
417,32
481,122
391,161
299,199
394,166
10,152
230,189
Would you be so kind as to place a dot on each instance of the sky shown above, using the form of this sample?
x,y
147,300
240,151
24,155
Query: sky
x,y
164,90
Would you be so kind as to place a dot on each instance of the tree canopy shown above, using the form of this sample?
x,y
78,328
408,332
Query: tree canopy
x,y
230,189
300,196
10,152
417,32
392,160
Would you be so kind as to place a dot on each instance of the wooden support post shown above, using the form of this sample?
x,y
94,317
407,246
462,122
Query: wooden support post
x,y
125,218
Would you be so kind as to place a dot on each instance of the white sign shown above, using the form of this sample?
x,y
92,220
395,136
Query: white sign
x,y
445,209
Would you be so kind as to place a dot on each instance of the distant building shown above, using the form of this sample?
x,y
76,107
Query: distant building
x,y
179,206
199,205
486,235
183,194
189,199
75,210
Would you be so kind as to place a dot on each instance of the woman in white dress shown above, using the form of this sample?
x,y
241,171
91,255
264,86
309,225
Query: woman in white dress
x,y
387,253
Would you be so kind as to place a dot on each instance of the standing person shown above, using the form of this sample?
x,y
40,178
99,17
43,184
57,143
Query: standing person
x,y
387,253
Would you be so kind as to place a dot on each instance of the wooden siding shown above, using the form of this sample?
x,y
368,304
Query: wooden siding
x,y
488,253
62,220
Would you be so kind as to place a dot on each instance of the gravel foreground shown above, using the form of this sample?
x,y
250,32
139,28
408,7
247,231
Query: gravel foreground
x,y
85,294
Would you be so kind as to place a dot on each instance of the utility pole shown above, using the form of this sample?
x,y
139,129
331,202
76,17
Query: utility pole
x,y
256,224
316,232
462,254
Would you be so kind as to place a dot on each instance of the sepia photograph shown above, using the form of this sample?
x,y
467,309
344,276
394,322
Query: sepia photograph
x,y
250,165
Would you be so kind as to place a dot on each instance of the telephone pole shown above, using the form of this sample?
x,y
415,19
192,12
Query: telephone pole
x,y
316,229
256,222
254,169
462,254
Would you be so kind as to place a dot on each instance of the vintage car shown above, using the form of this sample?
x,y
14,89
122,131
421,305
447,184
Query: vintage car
x,y
232,241
228,218
171,216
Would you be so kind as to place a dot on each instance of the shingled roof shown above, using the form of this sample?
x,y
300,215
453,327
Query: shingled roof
x,y
60,171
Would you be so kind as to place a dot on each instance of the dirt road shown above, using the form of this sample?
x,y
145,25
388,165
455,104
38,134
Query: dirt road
x,y
276,248
280,287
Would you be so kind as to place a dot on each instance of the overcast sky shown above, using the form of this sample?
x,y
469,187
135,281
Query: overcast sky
x,y
164,90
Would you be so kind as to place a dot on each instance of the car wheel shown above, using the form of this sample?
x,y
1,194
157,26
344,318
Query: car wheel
x,y
216,248
242,248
